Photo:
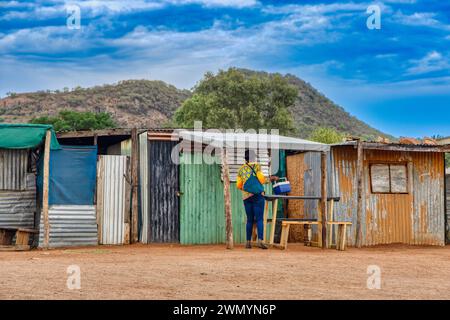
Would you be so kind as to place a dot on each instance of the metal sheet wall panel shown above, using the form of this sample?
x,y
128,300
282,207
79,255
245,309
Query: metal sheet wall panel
x,y
447,186
13,169
143,187
163,188
344,175
201,205
113,214
70,225
202,210
18,208
428,225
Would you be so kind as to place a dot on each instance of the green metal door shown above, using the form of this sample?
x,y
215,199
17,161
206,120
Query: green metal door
x,y
202,210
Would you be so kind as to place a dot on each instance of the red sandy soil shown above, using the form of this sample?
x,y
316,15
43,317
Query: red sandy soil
x,y
212,272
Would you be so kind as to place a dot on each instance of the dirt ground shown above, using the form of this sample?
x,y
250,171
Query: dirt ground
x,y
212,272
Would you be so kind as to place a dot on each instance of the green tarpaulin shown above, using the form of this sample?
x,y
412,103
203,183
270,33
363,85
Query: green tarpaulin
x,y
25,136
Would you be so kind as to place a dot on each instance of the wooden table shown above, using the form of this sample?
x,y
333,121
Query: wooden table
x,y
274,199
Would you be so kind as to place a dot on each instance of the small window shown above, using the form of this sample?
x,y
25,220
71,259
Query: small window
x,y
389,178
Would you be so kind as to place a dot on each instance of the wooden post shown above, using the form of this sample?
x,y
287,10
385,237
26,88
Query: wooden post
x,y
135,184
227,196
323,200
274,221
265,216
359,176
45,187
99,203
330,218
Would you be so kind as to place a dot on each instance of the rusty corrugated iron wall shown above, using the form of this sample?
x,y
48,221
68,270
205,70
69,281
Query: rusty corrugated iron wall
x,y
447,186
416,217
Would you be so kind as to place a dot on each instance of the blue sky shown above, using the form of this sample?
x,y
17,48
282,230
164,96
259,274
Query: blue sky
x,y
396,78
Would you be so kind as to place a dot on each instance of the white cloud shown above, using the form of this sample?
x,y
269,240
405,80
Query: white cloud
x,y
432,61
96,8
46,40
420,19
386,56
15,4
217,3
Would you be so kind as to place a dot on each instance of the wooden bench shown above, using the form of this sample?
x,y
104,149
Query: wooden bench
x,y
340,234
22,236
285,226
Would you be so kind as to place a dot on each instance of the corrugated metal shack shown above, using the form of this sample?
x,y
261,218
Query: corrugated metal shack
x,y
398,197
72,178
202,219
21,147
119,186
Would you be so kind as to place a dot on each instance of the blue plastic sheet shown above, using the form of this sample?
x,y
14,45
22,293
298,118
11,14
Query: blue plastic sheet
x,y
73,171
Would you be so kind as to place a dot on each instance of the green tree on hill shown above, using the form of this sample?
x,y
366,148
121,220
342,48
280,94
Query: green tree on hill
x,y
326,135
233,99
68,120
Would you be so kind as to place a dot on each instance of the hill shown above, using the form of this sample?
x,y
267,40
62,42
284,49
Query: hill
x,y
312,109
140,103
145,103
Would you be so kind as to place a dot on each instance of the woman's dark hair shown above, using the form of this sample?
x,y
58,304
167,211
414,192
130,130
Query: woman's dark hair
x,y
250,155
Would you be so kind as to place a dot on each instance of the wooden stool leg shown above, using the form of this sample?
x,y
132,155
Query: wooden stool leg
x,y
344,234
22,238
307,234
338,237
284,235
254,233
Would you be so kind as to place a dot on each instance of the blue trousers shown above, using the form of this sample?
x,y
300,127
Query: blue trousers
x,y
254,208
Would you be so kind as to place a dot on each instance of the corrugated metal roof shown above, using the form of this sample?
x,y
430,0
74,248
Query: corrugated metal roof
x,y
13,169
17,208
397,146
251,140
70,225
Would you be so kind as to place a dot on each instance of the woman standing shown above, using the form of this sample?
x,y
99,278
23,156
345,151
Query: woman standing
x,y
250,180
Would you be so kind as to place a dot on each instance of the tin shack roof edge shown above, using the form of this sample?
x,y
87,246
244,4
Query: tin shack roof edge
x,y
396,146
216,138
